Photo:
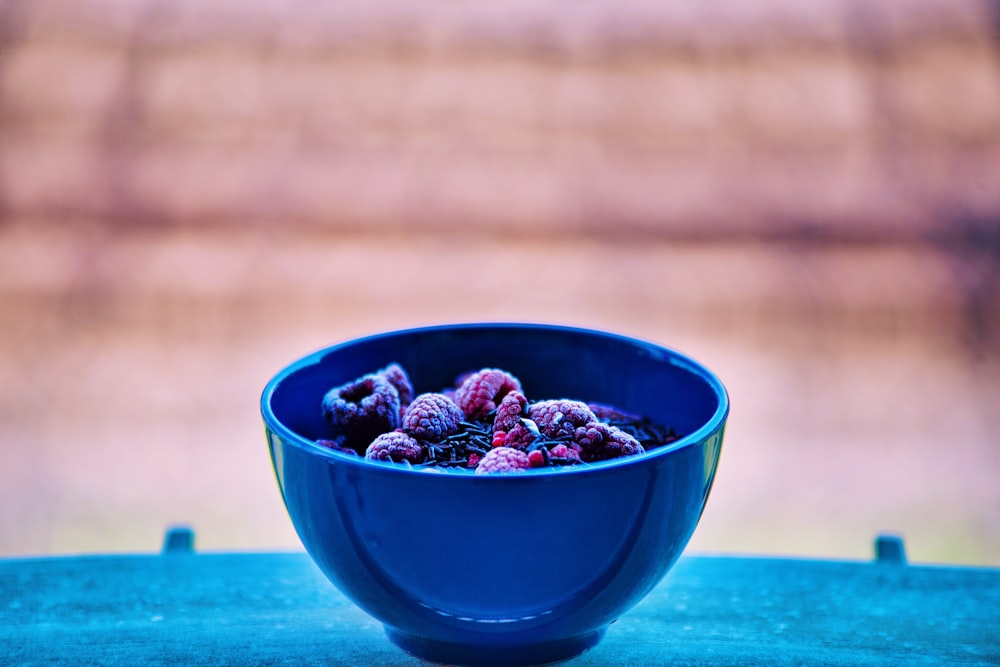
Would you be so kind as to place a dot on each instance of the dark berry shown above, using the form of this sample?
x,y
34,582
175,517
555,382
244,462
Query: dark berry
x,y
484,390
599,441
395,446
432,417
557,417
398,378
502,459
361,410
336,446
609,413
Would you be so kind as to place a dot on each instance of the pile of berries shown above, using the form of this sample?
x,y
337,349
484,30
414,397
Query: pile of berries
x,y
483,423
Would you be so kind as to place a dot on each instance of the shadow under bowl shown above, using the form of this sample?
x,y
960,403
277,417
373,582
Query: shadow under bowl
x,y
499,569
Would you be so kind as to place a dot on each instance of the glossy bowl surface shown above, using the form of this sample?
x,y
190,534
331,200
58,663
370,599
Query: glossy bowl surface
x,y
499,569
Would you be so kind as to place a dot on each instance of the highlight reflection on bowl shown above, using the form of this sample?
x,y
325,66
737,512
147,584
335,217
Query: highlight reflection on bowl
x,y
499,569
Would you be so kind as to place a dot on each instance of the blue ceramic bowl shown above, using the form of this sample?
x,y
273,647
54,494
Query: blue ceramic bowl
x,y
499,569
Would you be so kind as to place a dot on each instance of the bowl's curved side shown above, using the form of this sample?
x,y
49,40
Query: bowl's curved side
x,y
539,556
474,559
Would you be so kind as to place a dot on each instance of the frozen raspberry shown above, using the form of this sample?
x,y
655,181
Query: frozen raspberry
x,y
609,413
361,410
459,381
395,446
564,454
432,417
484,390
474,460
502,459
398,378
599,441
499,438
561,416
336,446
537,459
522,435
462,377
509,411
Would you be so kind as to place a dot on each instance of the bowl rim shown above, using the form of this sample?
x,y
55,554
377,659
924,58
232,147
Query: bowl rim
x,y
287,435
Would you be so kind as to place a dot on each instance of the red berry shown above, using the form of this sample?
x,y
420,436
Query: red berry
x,y
484,390
432,417
395,446
522,435
561,416
502,460
599,441
536,459
509,411
499,437
564,454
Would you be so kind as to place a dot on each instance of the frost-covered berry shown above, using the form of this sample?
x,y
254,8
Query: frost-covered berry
x,y
336,446
609,413
484,390
522,435
432,417
361,410
561,416
502,459
462,377
564,454
599,441
510,411
395,446
399,379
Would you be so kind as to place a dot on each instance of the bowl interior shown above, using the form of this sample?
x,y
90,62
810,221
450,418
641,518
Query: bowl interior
x,y
551,362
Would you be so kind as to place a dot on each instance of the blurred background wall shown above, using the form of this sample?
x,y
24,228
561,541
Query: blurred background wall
x,y
804,196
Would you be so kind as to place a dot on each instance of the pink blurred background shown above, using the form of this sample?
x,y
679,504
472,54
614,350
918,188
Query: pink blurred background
x,y
804,196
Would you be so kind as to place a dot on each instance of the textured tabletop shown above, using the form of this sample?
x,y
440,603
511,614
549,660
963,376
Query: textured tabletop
x,y
277,608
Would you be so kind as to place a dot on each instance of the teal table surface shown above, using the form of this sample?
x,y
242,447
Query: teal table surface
x,y
278,609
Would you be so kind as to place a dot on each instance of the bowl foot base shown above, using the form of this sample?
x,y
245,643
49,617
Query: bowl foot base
x,y
487,655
